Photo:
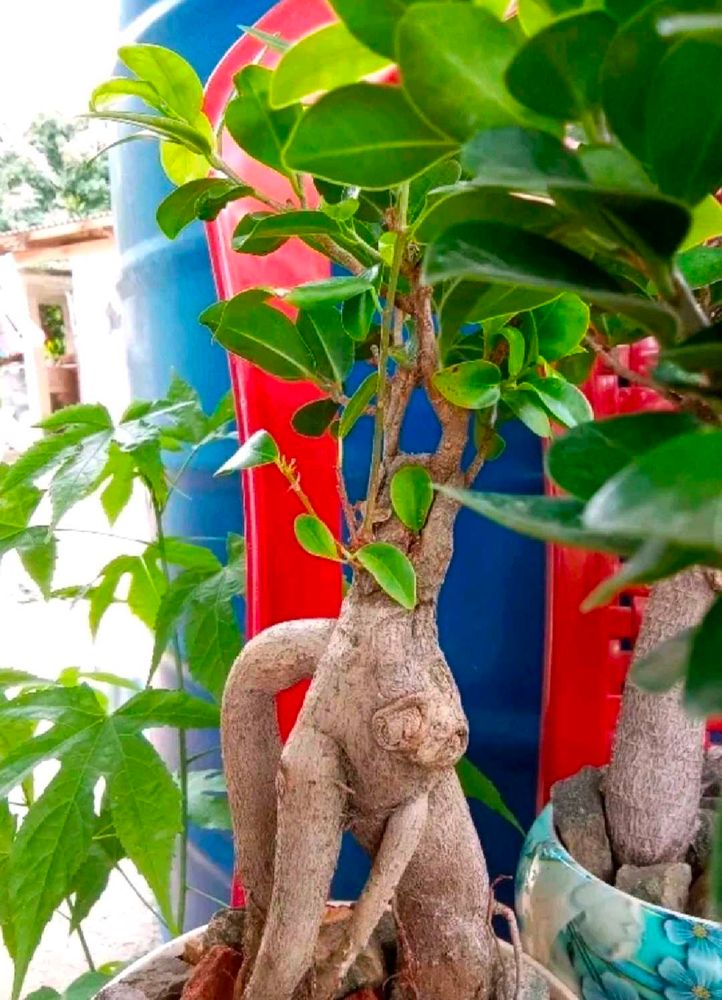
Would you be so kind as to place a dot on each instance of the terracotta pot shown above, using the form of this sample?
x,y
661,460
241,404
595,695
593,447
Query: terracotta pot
x,y
603,943
176,947
63,383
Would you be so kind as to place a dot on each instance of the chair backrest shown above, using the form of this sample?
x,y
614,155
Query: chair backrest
x,y
284,582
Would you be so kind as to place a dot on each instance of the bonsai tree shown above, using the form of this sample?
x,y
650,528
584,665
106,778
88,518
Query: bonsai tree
x,y
524,172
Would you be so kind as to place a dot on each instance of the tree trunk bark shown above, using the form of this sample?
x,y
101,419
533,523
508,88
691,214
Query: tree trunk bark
x,y
652,787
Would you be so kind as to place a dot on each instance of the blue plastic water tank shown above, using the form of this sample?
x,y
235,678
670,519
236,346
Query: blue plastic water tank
x,y
492,605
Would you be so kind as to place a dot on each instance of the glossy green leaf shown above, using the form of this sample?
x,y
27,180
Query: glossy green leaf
x,y
365,135
706,222
120,87
87,986
89,884
182,165
477,786
488,251
526,406
412,495
93,416
166,128
671,492
567,55
586,457
324,60
518,157
482,302
271,40
252,122
703,689
464,93
357,313
327,342
467,202
313,536
392,570
200,199
171,609
699,353
439,175
701,266
173,78
373,22
259,449
80,474
313,419
567,404
42,456
652,561
473,385
263,232
327,291
684,129
559,326
120,469
517,349
253,330
356,406
549,519
145,805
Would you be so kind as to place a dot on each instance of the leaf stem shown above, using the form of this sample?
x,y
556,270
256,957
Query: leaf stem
x,y
386,330
136,892
182,740
84,946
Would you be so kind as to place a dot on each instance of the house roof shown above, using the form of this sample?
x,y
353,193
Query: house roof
x,y
31,246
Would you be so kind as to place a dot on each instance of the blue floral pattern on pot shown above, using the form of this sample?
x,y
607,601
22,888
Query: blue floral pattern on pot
x,y
604,944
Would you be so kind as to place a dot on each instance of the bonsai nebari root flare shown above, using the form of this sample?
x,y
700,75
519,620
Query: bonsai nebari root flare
x,y
373,751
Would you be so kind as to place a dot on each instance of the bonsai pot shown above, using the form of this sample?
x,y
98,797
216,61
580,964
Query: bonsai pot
x,y
601,942
165,961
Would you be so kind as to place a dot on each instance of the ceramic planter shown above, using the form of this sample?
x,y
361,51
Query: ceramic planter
x,y
175,948
603,943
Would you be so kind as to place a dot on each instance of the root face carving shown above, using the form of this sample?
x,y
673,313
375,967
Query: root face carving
x,y
373,750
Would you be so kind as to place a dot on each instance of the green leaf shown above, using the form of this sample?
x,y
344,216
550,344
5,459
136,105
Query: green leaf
x,y
651,562
256,127
167,128
80,474
701,352
328,291
173,78
701,266
703,689
365,135
183,165
264,336
18,678
313,419
356,406
488,251
327,342
145,587
560,326
550,519
212,637
92,416
53,702
178,552
567,55
89,884
261,233
412,495
526,406
373,22
564,401
706,222
50,846
208,800
473,385
671,492
464,93
87,986
313,536
259,449
392,570
146,809
357,313
324,60
476,785
38,553
44,993
273,41
120,470
42,456
684,137
517,349
199,199
171,609
439,175
149,709
66,734
586,457
120,87
664,666
519,156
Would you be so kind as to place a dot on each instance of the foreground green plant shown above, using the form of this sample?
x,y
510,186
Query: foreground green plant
x,y
113,797
529,196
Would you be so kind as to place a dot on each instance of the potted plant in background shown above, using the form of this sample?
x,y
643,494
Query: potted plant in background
x,y
481,209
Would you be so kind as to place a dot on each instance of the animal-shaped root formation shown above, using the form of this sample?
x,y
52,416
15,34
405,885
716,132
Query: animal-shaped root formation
x,y
373,751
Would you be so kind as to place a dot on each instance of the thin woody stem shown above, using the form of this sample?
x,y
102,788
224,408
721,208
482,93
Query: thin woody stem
x,y
386,331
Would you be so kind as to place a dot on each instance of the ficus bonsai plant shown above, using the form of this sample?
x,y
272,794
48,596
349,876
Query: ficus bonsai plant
x,y
535,190
113,797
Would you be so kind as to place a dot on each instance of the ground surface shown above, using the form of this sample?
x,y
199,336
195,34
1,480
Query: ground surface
x,y
45,638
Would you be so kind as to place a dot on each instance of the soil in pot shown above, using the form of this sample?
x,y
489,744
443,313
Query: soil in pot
x,y
204,965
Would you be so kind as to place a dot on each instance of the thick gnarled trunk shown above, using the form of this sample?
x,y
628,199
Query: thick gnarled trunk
x,y
652,787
